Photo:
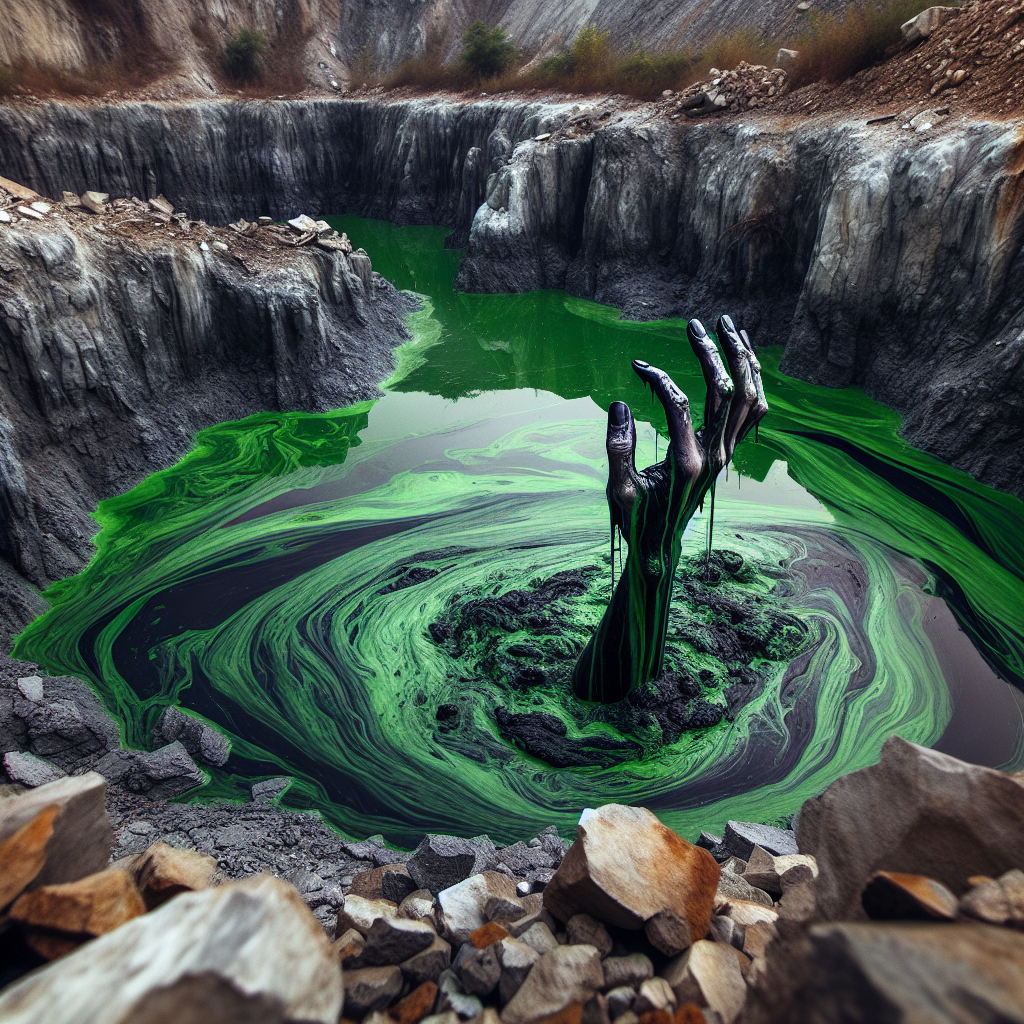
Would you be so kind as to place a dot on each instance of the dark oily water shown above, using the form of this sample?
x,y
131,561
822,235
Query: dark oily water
x,y
385,601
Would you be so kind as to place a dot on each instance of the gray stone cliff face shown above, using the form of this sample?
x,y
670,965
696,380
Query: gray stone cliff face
x,y
220,159
114,351
877,256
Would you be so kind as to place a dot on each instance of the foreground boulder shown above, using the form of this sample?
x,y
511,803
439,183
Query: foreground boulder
x,y
159,774
80,835
562,977
912,972
917,811
59,918
627,869
250,951
164,871
464,905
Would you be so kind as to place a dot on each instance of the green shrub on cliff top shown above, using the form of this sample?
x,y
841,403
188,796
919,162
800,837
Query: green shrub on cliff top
x,y
488,52
242,55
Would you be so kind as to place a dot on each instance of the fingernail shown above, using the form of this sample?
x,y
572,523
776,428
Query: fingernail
x,y
641,364
727,323
618,414
698,329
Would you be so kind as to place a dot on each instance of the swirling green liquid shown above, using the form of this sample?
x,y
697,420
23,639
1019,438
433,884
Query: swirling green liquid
x,y
282,578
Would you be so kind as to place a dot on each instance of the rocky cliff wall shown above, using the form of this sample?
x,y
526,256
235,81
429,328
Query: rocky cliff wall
x,y
114,350
220,159
878,256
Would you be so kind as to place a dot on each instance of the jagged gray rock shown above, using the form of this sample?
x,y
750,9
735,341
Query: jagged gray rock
x,y
839,242
440,862
174,964
742,836
160,774
28,770
885,817
204,742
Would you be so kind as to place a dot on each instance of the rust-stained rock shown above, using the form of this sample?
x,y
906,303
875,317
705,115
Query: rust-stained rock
x,y
163,871
895,896
416,1005
81,836
349,947
93,905
23,854
391,882
247,951
570,1015
891,816
997,900
487,935
625,867
464,904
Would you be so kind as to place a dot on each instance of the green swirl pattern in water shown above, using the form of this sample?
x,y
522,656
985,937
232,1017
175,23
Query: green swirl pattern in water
x,y
282,579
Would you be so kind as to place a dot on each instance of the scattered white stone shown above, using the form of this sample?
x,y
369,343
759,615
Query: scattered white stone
x,y
204,247
94,201
31,688
27,211
303,224
41,207
221,246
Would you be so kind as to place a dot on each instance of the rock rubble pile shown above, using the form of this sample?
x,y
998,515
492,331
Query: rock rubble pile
x,y
917,858
746,87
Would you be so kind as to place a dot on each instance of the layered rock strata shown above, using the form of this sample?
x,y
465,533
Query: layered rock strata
x,y
119,339
877,255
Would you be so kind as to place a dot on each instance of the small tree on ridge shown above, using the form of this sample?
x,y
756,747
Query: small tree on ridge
x,y
488,52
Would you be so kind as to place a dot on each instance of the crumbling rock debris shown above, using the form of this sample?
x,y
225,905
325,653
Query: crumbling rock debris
x,y
746,87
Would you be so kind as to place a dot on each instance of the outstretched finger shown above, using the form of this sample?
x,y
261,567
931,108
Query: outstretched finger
x,y
682,443
719,386
621,446
741,360
761,405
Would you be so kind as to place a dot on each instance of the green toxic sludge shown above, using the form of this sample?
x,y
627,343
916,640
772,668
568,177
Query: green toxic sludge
x,y
282,578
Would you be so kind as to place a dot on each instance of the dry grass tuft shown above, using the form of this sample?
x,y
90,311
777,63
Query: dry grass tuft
x,y
833,49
